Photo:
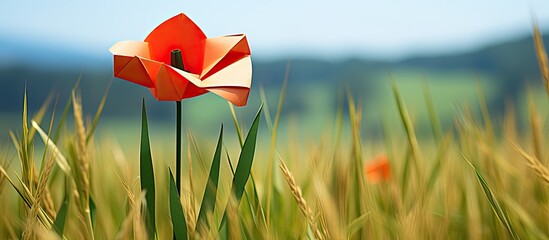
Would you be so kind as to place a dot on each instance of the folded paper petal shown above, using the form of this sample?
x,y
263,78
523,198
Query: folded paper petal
x,y
178,32
231,83
238,74
169,85
131,48
152,67
132,69
184,84
236,95
222,51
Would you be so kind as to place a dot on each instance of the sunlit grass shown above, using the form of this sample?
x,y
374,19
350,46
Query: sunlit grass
x,y
477,177
433,192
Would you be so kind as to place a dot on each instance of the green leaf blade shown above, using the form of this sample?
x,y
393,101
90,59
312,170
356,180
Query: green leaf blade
x,y
244,167
245,161
210,193
93,211
176,210
499,211
147,175
60,219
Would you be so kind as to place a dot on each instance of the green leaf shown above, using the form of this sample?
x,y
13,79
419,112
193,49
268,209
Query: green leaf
x,y
256,200
51,146
98,113
93,211
500,212
357,224
39,116
406,173
60,219
436,126
64,115
258,209
245,161
497,208
409,127
210,193
236,125
147,174
435,172
26,196
176,210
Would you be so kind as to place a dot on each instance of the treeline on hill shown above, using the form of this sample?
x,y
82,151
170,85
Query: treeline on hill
x,y
513,64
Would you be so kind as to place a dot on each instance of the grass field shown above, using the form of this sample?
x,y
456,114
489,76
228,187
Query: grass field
x,y
479,178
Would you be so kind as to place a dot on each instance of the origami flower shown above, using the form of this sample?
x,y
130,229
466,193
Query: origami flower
x,y
378,169
221,65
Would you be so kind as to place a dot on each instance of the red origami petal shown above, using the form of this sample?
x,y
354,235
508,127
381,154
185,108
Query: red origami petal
x,y
152,67
128,64
173,84
132,69
181,33
169,85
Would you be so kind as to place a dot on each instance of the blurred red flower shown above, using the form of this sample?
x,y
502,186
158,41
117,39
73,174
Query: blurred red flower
x,y
378,169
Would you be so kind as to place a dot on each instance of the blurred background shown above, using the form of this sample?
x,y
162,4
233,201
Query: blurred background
x,y
329,48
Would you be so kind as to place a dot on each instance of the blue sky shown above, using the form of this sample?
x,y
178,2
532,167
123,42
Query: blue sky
x,y
382,28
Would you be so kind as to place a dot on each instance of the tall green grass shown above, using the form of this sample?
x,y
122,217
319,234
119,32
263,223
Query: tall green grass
x,y
483,178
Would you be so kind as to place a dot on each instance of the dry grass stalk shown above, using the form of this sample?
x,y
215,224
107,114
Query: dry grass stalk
x,y
81,146
133,226
126,228
7,225
7,164
189,204
83,163
30,228
232,219
190,213
47,201
536,128
535,164
202,231
296,191
329,218
542,56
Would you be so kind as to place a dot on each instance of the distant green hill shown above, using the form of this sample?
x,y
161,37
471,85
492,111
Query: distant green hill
x,y
512,64
509,66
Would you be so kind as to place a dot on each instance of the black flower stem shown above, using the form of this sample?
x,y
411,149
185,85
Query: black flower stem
x,y
178,147
177,62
